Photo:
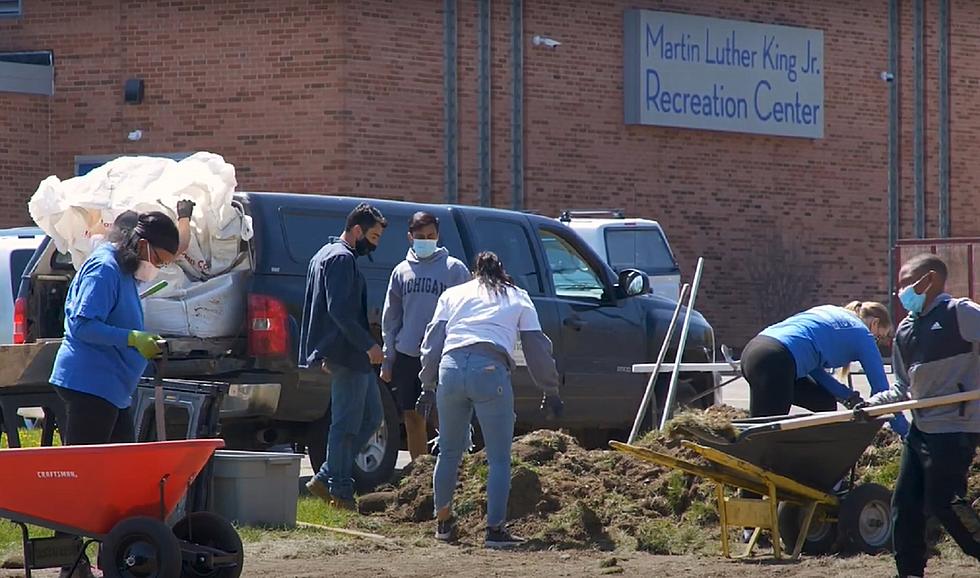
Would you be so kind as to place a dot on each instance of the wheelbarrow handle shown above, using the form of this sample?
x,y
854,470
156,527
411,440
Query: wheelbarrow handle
x,y
823,418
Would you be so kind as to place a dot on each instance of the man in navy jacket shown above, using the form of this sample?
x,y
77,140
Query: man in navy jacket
x,y
336,338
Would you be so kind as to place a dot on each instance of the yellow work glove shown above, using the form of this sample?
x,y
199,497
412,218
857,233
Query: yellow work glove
x,y
145,343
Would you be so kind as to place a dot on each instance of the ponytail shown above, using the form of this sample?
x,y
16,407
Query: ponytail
x,y
491,274
866,310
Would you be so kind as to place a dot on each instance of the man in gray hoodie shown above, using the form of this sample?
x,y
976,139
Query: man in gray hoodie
x,y
413,291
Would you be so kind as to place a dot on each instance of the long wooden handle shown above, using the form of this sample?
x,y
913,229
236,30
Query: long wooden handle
x,y
824,418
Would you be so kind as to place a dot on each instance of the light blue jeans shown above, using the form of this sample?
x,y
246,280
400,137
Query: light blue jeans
x,y
355,414
473,381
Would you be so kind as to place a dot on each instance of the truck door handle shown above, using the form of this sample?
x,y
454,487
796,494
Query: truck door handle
x,y
575,323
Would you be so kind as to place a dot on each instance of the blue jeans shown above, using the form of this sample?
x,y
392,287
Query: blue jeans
x,y
468,382
355,414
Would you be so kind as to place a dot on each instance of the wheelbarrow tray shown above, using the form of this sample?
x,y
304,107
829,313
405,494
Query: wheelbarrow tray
x,y
818,456
86,490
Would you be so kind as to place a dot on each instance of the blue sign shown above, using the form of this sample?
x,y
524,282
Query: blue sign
x,y
713,74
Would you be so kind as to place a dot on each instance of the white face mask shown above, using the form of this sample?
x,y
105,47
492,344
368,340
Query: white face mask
x,y
146,272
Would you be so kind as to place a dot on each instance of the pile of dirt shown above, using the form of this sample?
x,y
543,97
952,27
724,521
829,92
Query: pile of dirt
x,y
714,422
567,497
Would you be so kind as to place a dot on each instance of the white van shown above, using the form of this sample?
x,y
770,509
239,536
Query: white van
x,y
629,244
17,246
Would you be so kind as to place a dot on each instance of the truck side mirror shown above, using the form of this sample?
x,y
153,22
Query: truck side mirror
x,y
634,282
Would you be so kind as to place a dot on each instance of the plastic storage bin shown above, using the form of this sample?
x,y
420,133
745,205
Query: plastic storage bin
x,y
256,488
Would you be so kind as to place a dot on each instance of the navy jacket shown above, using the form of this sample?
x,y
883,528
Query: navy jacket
x,y
335,325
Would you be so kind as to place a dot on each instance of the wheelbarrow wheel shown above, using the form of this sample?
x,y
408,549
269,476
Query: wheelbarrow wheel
x,y
822,537
141,547
866,519
212,531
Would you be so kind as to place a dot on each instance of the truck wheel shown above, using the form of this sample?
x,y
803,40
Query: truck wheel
x,y
212,531
141,547
376,464
821,539
866,518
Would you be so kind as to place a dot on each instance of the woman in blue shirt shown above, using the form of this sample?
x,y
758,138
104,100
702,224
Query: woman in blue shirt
x,y
787,363
105,350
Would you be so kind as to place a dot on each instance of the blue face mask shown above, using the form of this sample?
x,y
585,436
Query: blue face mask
x,y
424,248
912,302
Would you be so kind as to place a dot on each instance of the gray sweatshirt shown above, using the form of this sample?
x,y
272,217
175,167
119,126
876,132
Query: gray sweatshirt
x,y
413,292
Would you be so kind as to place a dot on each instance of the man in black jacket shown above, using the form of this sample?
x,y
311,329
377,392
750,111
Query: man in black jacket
x,y
335,338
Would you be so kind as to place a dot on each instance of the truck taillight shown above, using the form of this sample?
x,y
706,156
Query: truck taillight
x,y
20,320
268,327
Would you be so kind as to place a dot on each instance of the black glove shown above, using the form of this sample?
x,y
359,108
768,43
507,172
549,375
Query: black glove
x,y
552,406
425,403
853,400
185,209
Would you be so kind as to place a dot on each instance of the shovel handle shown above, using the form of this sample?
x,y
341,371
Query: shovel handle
x,y
159,412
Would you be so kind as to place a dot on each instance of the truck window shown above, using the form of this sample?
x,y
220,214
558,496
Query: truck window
x,y
18,261
643,249
571,274
510,242
306,232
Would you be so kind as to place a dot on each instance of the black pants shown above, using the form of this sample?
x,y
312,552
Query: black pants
x,y
932,479
93,420
773,387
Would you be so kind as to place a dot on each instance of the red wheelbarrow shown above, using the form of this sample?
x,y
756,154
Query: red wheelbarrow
x,y
121,496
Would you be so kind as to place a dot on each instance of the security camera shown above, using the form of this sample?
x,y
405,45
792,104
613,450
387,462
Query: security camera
x,y
545,41
887,76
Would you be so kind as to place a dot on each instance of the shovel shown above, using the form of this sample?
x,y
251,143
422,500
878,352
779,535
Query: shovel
x,y
158,407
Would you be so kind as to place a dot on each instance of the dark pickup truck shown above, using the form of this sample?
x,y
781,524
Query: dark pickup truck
x,y
599,330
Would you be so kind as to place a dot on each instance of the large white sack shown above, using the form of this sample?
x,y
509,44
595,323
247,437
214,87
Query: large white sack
x,y
75,211
202,298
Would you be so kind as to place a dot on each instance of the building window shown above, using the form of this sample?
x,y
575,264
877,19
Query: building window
x,y
9,8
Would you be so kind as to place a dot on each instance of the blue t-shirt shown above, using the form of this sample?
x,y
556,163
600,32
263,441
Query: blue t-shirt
x,y
101,308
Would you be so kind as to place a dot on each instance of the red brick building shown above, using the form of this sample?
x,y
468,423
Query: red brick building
x,y
347,97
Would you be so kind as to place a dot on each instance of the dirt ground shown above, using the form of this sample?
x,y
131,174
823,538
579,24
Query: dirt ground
x,y
318,558
326,556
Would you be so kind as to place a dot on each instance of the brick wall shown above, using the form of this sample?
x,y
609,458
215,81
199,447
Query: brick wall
x,y
346,97
23,154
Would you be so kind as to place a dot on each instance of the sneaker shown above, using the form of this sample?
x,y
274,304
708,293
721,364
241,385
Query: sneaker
x,y
320,490
500,538
446,529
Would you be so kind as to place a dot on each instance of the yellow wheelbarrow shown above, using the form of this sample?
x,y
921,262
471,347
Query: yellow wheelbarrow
x,y
799,466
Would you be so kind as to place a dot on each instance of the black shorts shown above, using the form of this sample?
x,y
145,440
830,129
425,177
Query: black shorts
x,y
405,384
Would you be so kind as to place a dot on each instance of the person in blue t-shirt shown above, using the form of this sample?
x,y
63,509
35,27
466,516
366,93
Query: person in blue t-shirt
x,y
787,363
105,350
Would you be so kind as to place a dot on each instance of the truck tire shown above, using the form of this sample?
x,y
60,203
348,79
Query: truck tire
x,y
376,464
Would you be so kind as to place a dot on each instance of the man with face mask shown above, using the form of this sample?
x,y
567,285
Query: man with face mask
x,y
335,338
413,291
935,354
